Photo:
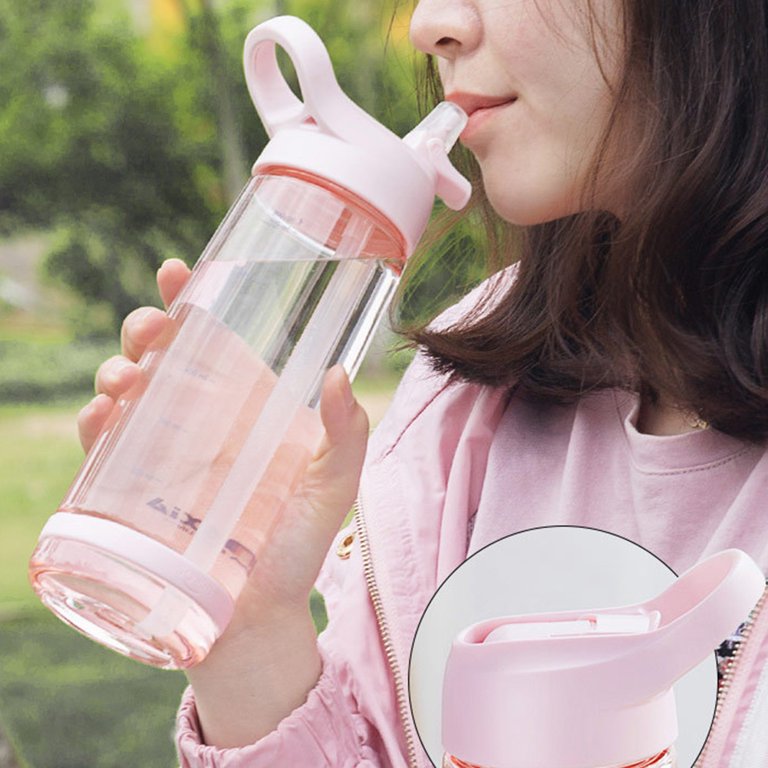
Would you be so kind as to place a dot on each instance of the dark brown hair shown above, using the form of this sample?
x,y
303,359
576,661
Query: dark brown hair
x,y
671,301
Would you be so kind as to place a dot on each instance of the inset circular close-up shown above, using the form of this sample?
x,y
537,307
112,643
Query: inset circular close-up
x,y
568,647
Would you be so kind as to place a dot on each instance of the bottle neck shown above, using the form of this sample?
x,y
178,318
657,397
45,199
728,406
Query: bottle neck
x,y
385,242
665,759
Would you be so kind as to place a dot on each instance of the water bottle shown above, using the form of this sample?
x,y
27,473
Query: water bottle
x,y
589,689
166,518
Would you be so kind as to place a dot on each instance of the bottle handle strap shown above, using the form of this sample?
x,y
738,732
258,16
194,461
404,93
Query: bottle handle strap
x,y
325,108
324,103
697,613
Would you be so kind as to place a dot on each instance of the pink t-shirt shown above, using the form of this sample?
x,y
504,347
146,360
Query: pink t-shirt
x,y
682,497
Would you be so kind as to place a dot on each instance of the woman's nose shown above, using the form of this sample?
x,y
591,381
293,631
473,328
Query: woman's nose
x,y
445,28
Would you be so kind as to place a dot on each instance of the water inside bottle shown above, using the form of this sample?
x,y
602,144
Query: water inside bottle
x,y
172,441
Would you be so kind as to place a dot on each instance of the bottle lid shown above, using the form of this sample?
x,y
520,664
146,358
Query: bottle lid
x,y
582,689
327,135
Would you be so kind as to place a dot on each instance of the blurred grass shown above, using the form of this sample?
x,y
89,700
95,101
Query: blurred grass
x,y
66,702
39,455
49,370
19,328
69,703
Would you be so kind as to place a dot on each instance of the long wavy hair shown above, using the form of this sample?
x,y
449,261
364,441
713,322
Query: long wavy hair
x,y
672,300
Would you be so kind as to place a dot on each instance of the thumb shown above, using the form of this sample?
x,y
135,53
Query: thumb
x,y
339,410
335,471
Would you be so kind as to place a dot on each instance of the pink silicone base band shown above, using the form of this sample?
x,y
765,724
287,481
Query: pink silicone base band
x,y
157,559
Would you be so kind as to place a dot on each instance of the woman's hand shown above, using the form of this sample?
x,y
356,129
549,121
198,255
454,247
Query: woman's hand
x,y
266,661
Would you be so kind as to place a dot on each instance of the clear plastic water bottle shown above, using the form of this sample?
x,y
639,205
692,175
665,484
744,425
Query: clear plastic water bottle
x,y
589,689
166,518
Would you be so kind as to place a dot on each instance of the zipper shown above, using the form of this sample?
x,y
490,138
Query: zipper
x,y
715,742
403,707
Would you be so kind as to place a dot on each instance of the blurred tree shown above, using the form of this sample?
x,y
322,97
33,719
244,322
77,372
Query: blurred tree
x,y
131,146
206,36
93,147
131,153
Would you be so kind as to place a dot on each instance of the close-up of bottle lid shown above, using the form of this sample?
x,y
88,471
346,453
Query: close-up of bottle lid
x,y
589,688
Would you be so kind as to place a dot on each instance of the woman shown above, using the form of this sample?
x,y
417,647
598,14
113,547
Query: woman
x,y
617,379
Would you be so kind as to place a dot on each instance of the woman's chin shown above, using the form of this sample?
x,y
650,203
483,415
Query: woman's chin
x,y
529,206
526,205
524,214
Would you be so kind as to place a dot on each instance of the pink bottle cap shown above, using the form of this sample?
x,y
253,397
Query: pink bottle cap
x,y
583,689
329,136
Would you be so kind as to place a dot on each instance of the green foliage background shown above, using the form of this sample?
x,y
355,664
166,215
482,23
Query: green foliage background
x,y
131,152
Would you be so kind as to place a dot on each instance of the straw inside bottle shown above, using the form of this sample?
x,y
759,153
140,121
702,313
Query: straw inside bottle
x,y
293,388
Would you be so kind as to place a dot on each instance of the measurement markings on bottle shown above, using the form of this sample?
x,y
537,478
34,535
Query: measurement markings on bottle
x,y
235,550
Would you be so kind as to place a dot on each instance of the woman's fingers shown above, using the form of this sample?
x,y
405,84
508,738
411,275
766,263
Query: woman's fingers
x,y
171,277
140,328
91,419
116,376
119,374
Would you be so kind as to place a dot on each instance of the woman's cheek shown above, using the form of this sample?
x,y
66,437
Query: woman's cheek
x,y
531,193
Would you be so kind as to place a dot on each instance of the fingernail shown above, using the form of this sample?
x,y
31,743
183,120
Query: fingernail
x,y
346,390
141,317
100,401
89,409
113,375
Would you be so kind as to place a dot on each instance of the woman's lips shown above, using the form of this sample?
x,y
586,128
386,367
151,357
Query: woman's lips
x,y
479,109
480,116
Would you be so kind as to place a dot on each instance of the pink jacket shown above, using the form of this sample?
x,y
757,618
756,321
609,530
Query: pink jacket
x,y
424,474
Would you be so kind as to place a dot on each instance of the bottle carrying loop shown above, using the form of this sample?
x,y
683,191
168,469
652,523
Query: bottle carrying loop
x,y
324,103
